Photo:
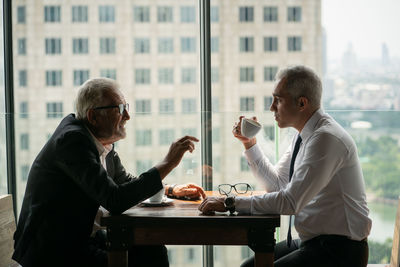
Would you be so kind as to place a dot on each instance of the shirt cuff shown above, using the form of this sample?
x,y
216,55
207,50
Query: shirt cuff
x,y
243,204
253,153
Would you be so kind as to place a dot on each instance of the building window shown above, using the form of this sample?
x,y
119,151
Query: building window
x,y
294,14
143,166
270,73
188,44
24,141
54,78
267,102
22,78
270,13
244,166
53,46
188,75
216,136
214,74
215,104
106,14
166,106
107,45
21,43
143,137
246,14
23,110
246,44
54,109
80,45
270,44
214,14
189,165
269,132
21,14
79,14
141,14
167,136
108,73
142,45
166,76
165,45
52,13
247,103
80,76
188,14
24,172
214,44
246,74
189,131
142,76
143,106
294,43
188,105
164,14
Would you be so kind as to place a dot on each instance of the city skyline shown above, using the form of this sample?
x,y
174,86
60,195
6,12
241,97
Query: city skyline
x,y
366,24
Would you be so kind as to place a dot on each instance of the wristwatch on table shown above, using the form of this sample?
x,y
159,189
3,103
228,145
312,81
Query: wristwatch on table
x,y
170,191
229,204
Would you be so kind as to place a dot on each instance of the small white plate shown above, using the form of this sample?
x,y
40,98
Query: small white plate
x,y
165,202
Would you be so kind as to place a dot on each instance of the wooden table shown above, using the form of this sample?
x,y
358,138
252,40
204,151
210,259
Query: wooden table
x,y
182,223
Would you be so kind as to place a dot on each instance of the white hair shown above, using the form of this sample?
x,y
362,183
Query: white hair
x,y
302,81
92,94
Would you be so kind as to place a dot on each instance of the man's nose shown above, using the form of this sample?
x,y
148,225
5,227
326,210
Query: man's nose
x,y
126,115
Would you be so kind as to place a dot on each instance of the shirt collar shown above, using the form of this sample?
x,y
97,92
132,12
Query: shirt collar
x,y
308,128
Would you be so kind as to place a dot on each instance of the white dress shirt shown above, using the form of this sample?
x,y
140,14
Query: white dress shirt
x,y
326,193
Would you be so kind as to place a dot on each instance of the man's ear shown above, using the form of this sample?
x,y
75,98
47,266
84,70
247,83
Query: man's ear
x,y
302,102
91,116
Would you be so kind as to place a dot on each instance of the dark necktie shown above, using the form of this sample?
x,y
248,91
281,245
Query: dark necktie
x,y
291,170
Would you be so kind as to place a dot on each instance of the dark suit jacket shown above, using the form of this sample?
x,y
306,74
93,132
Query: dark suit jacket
x,y
66,185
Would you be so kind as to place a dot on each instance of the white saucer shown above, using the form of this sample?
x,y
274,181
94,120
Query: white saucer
x,y
165,202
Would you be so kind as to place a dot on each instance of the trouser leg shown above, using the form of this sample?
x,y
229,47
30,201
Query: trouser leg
x,y
281,249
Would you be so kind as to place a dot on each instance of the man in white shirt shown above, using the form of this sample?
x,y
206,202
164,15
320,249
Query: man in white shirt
x,y
323,189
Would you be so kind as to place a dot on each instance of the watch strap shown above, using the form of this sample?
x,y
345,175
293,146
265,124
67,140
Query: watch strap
x,y
171,190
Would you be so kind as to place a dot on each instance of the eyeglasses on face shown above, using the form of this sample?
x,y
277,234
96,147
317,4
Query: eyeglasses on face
x,y
240,188
121,107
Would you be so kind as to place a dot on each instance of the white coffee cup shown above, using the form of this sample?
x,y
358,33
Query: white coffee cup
x,y
157,197
249,127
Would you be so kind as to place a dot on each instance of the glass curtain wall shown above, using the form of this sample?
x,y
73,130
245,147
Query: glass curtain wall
x,y
152,49
3,153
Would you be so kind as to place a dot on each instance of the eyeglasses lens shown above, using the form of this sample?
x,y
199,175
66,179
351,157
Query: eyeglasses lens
x,y
241,188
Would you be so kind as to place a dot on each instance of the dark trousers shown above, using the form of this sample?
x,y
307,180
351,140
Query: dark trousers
x,y
138,256
321,251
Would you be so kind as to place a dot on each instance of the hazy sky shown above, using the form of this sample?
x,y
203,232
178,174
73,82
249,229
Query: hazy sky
x,y
365,23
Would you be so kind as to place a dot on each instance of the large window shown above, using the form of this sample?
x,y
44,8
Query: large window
x,y
79,14
152,49
80,45
106,14
107,45
165,14
53,46
246,14
52,14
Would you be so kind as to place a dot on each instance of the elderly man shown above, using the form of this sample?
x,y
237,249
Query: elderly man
x,y
318,181
76,172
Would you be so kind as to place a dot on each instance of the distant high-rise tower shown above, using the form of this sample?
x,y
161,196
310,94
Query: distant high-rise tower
x,y
385,58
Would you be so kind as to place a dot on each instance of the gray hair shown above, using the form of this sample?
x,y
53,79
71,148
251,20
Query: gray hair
x,y
92,94
302,81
